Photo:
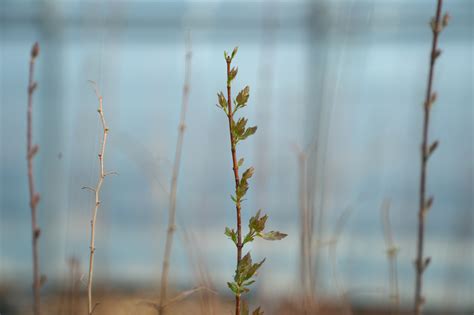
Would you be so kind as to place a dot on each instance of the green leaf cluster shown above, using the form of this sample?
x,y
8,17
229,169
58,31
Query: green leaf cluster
x,y
244,273
234,52
242,99
239,130
256,227
222,102
239,102
243,186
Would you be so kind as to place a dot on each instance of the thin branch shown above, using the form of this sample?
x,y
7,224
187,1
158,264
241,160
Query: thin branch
x,y
96,190
88,188
437,25
174,181
31,151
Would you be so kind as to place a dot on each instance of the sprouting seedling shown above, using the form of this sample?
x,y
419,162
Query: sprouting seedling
x,y
437,24
246,269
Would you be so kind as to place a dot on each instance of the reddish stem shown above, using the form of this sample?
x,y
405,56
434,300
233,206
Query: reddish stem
x,y
235,167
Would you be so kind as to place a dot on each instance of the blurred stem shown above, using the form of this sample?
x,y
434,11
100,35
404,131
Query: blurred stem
x,y
174,182
421,262
31,151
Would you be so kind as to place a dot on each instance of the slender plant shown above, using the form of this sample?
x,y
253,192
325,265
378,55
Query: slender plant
x,y
174,182
246,269
437,24
96,191
31,151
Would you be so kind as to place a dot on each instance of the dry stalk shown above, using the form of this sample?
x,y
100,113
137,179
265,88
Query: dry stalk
x,y
174,182
31,151
306,233
96,191
332,248
421,262
392,255
203,277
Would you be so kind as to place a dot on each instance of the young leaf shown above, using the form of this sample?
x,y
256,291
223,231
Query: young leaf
x,y
242,268
231,234
249,237
257,311
241,161
232,74
248,173
248,132
234,287
234,52
256,223
239,128
243,97
250,272
272,235
243,184
222,101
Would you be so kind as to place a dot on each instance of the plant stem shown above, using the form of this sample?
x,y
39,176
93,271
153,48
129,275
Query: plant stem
x,y
96,190
235,167
420,262
174,182
31,151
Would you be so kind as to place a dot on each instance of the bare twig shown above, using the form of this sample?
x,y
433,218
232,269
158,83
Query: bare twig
x,y
421,262
31,151
174,181
96,191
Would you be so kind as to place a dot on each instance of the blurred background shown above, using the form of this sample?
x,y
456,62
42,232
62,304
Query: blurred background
x,y
337,88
